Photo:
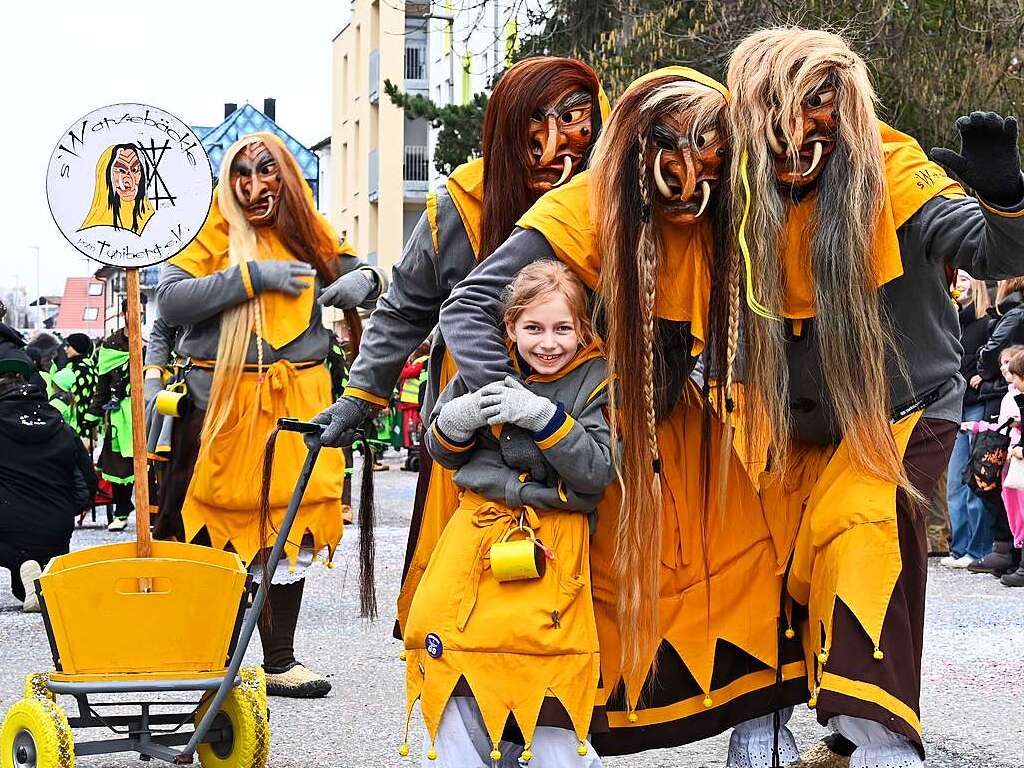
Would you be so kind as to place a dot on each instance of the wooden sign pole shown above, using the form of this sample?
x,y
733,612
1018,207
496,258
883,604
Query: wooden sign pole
x,y
143,539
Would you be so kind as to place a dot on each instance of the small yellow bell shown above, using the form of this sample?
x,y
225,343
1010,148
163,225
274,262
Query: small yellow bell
x,y
823,657
707,701
878,655
790,634
432,754
495,755
527,756
812,702
581,750
632,717
403,750
403,656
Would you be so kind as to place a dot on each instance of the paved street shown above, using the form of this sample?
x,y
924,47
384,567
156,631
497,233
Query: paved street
x,y
974,666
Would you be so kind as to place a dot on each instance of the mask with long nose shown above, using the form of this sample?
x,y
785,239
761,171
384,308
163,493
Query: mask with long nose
x,y
685,166
800,157
560,135
256,182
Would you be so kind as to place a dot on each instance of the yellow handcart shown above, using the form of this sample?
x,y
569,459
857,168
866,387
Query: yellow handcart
x,y
120,625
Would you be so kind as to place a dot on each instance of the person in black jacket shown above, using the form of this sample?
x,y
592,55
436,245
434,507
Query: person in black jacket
x,y
971,538
1007,329
46,477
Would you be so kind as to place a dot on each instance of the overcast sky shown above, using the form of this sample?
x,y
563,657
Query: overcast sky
x,y
61,59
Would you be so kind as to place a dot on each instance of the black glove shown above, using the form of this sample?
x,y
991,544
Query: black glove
x,y
519,451
342,419
988,161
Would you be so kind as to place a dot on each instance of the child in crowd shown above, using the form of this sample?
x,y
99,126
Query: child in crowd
x,y
1002,559
483,641
1013,498
46,477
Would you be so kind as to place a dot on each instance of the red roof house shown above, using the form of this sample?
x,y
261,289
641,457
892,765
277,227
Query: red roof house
x,y
81,307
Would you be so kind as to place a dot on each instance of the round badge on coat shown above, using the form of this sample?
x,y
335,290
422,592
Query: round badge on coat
x,y
434,646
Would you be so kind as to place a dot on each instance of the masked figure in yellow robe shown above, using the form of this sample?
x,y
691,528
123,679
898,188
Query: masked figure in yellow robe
x,y
847,235
256,347
688,606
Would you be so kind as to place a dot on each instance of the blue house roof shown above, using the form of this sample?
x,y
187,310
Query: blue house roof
x,y
245,120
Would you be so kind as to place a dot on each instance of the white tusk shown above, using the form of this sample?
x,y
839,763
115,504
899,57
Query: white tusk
x,y
773,142
659,180
814,160
270,207
705,190
566,171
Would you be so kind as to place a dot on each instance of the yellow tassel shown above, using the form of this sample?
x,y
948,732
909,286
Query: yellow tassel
x,y
790,634
707,701
495,754
581,750
632,717
432,754
404,750
878,654
527,755
403,656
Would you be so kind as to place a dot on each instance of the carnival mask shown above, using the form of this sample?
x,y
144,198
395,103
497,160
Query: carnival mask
x,y
126,174
686,168
256,181
816,136
560,134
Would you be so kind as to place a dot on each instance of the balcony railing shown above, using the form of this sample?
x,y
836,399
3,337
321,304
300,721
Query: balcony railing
x,y
417,164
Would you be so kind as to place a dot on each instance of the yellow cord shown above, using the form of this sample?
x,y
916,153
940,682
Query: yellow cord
x,y
756,306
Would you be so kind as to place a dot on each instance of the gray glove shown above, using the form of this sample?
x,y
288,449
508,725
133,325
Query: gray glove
x,y
150,389
280,275
350,290
512,403
342,419
460,417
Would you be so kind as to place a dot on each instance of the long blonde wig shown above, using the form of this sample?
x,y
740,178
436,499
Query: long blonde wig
x,y
771,72
631,251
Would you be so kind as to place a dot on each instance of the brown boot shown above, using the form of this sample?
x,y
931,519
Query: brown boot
x,y
997,562
1014,579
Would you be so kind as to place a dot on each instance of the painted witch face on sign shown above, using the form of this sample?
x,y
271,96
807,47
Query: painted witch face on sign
x,y
119,198
684,155
560,134
256,181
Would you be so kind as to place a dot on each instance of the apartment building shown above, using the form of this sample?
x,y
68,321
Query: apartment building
x,y
382,162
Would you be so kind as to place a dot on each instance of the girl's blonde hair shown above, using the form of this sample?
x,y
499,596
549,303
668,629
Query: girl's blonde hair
x,y
1016,366
540,280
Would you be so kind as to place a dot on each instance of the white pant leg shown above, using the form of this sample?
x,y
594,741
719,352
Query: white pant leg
x,y
556,748
877,746
753,742
462,740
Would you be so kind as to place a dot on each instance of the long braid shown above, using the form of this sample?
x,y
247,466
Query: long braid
x,y
647,257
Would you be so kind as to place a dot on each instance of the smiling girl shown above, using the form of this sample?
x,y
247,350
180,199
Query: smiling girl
x,y
501,631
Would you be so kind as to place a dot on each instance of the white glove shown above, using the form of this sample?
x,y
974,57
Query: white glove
x,y
350,290
512,403
460,417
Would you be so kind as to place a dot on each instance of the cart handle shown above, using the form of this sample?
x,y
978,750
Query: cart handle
x,y
295,425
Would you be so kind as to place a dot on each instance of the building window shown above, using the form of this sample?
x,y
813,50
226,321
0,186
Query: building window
x,y
90,313
95,289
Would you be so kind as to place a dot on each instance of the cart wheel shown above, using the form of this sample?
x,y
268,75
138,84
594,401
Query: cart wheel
x,y
35,687
36,734
243,722
255,679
